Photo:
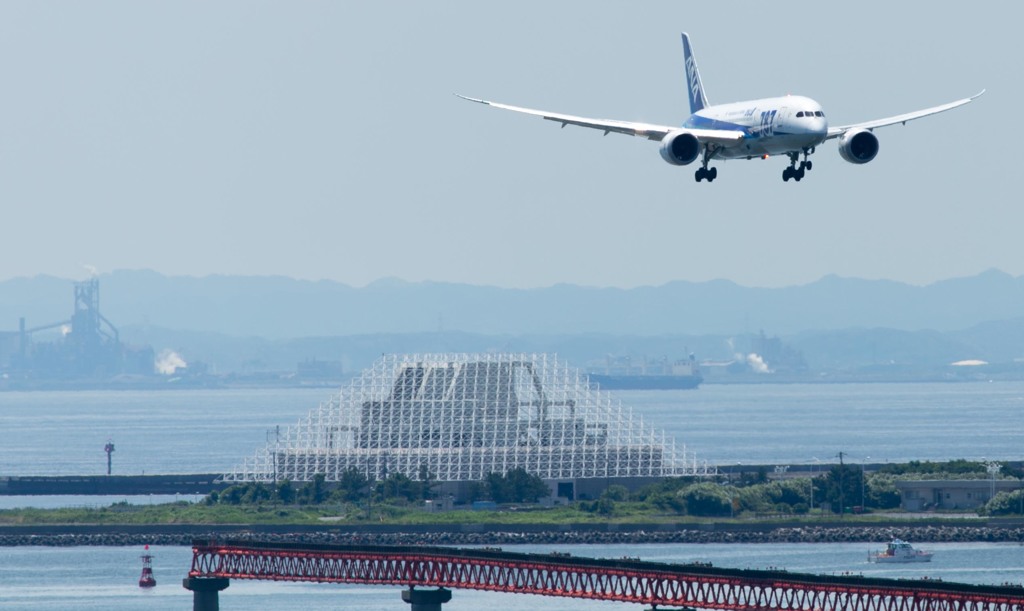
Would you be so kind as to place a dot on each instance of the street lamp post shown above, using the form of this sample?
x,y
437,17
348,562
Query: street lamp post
x,y
993,468
814,471
863,498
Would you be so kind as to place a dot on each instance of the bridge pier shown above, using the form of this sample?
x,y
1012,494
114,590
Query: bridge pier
x,y
426,600
204,591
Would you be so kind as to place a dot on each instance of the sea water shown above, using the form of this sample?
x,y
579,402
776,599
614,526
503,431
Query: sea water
x,y
82,578
210,431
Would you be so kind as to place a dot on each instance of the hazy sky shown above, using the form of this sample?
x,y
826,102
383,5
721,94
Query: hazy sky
x,y
321,140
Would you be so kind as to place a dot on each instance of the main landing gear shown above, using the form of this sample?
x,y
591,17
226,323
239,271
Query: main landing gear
x,y
797,173
703,173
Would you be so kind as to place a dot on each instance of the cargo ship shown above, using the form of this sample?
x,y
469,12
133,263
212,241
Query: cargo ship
x,y
622,374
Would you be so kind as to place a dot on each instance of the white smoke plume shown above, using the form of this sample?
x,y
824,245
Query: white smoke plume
x,y
169,361
757,363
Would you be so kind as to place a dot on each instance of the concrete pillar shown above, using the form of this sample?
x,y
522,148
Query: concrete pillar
x,y
426,600
204,591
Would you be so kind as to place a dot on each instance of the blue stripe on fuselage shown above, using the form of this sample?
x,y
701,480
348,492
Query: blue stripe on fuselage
x,y
699,122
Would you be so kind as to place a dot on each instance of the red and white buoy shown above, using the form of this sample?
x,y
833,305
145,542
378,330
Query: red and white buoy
x,y
146,580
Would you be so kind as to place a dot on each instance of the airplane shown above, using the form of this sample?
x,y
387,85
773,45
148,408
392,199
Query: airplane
x,y
791,125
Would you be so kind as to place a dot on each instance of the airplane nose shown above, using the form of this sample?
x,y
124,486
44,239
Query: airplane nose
x,y
816,126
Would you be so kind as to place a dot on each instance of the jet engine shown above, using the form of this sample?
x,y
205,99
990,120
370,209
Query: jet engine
x,y
680,148
858,146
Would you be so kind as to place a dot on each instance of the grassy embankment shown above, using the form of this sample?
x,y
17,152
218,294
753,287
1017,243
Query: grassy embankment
x,y
752,497
333,514
184,513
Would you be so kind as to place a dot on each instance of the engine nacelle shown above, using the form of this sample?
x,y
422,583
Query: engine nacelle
x,y
858,146
680,148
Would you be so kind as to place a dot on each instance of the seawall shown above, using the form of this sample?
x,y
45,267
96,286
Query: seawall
x,y
509,534
192,483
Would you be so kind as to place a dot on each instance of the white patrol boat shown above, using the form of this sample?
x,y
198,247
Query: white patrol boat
x,y
899,551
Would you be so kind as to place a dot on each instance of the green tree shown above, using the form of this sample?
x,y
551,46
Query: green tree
x,y
313,492
400,486
516,486
882,492
353,485
706,499
668,501
616,493
526,488
257,493
605,505
1005,503
427,480
232,495
669,485
953,469
497,488
754,498
285,492
790,491
843,485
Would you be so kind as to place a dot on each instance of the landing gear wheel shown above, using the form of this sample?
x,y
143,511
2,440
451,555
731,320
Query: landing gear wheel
x,y
809,164
787,174
705,174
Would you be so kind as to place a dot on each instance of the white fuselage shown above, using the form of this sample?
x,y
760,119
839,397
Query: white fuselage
x,y
770,126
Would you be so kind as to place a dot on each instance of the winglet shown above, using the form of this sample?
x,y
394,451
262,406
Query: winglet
x,y
695,90
459,95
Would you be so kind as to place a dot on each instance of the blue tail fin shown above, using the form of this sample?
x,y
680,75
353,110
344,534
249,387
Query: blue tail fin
x,y
694,87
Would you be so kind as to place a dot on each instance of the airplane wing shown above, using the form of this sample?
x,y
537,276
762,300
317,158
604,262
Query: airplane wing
x,y
834,132
644,130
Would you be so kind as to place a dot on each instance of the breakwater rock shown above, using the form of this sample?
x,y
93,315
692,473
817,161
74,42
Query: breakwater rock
x,y
510,535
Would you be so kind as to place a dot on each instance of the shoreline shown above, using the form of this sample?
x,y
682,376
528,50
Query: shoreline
x,y
508,534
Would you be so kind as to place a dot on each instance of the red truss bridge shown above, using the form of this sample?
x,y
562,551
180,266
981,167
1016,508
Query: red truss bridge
x,y
625,580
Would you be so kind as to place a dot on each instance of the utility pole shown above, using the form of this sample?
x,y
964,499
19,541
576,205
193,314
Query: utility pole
x,y
863,485
842,503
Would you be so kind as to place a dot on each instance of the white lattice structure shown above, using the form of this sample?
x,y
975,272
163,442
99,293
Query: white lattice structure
x,y
463,416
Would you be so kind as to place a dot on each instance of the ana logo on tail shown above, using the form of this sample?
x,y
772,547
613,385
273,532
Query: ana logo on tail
x,y
694,78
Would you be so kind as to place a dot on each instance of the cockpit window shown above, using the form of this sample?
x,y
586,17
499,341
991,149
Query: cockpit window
x,y
818,113
800,114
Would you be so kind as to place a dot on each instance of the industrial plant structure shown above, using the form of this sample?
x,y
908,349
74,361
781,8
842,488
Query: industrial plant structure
x,y
89,347
456,418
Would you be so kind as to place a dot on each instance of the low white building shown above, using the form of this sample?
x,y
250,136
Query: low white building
x,y
922,495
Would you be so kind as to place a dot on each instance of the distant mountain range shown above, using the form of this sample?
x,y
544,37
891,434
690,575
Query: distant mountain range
x,y
278,307
238,322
